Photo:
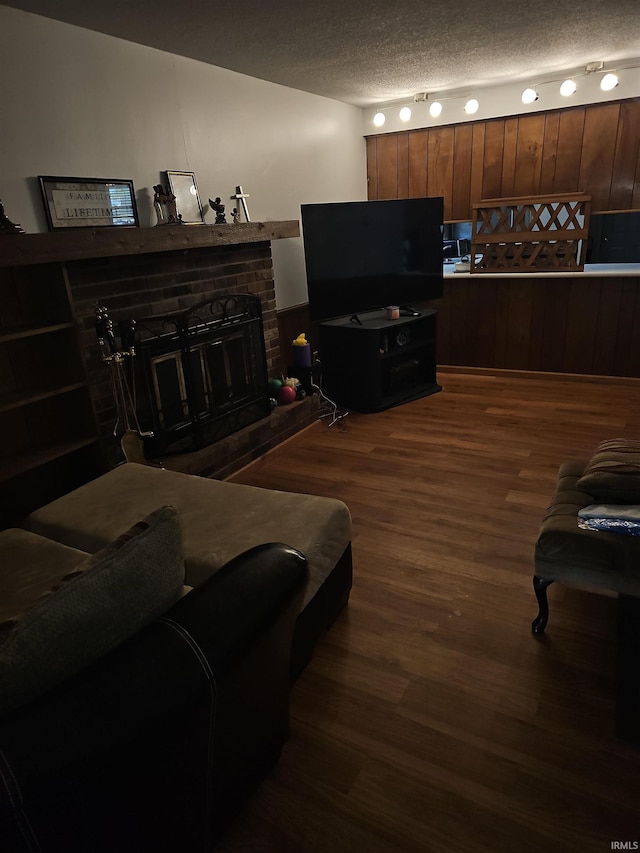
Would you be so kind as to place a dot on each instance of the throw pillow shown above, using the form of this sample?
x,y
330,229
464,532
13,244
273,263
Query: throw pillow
x,y
92,609
612,474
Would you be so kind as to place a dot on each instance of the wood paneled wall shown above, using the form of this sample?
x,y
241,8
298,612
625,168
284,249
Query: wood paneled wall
x,y
581,324
594,149
566,324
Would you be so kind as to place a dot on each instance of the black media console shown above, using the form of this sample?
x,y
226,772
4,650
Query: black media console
x,y
370,363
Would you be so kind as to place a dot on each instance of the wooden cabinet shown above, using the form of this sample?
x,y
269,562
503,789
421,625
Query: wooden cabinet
x,y
47,425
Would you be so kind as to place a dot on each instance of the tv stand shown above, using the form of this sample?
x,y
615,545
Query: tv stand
x,y
378,363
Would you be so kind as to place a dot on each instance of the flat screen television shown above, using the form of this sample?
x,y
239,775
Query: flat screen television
x,y
363,255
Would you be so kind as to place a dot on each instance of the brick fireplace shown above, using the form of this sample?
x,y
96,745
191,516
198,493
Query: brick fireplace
x,y
151,283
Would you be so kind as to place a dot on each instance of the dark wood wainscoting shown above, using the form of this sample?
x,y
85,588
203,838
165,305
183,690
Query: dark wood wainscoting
x,y
582,324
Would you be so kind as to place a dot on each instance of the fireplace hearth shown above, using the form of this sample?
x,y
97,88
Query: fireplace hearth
x,y
200,375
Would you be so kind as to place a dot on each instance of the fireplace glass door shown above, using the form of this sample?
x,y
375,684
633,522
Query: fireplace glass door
x,y
201,375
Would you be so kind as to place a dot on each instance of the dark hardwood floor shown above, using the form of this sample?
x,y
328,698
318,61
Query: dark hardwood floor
x,y
430,719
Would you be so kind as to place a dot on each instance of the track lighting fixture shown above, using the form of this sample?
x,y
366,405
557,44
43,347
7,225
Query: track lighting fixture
x,y
567,87
609,82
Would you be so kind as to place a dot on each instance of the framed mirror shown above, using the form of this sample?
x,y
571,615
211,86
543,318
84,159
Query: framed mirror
x,y
184,188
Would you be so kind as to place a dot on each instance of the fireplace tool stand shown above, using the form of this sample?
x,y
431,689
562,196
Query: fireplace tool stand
x,y
124,397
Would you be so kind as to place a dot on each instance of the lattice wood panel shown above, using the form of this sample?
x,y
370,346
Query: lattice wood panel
x,y
530,234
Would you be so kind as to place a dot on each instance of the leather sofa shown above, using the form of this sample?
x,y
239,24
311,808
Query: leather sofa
x,y
153,741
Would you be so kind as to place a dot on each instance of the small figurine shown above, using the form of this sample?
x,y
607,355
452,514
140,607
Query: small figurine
x,y
242,197
6,225
164,203
157,204
170,206
235,213
219,209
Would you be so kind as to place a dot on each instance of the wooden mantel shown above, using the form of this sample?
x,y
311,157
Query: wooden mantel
x,y
81,244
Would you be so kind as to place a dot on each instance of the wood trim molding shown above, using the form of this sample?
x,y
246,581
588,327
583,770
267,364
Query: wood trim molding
x,y
506,373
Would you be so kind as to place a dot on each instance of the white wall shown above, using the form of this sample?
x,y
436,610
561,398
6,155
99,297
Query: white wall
x,y
78,103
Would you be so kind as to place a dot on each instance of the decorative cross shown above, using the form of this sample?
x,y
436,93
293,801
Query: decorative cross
x,y
242,198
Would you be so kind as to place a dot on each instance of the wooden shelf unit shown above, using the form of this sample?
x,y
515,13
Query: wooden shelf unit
x,y
46,415
27,462
30,332
20,398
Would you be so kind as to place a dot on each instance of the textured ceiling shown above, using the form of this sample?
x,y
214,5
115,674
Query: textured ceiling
x,y
370,51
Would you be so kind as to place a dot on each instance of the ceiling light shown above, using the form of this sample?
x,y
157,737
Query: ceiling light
x,y
608,82
568,88
471,106
529,96
379,119
405,114
435,109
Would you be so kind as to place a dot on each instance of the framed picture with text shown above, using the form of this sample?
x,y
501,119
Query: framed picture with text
x,y
88,202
